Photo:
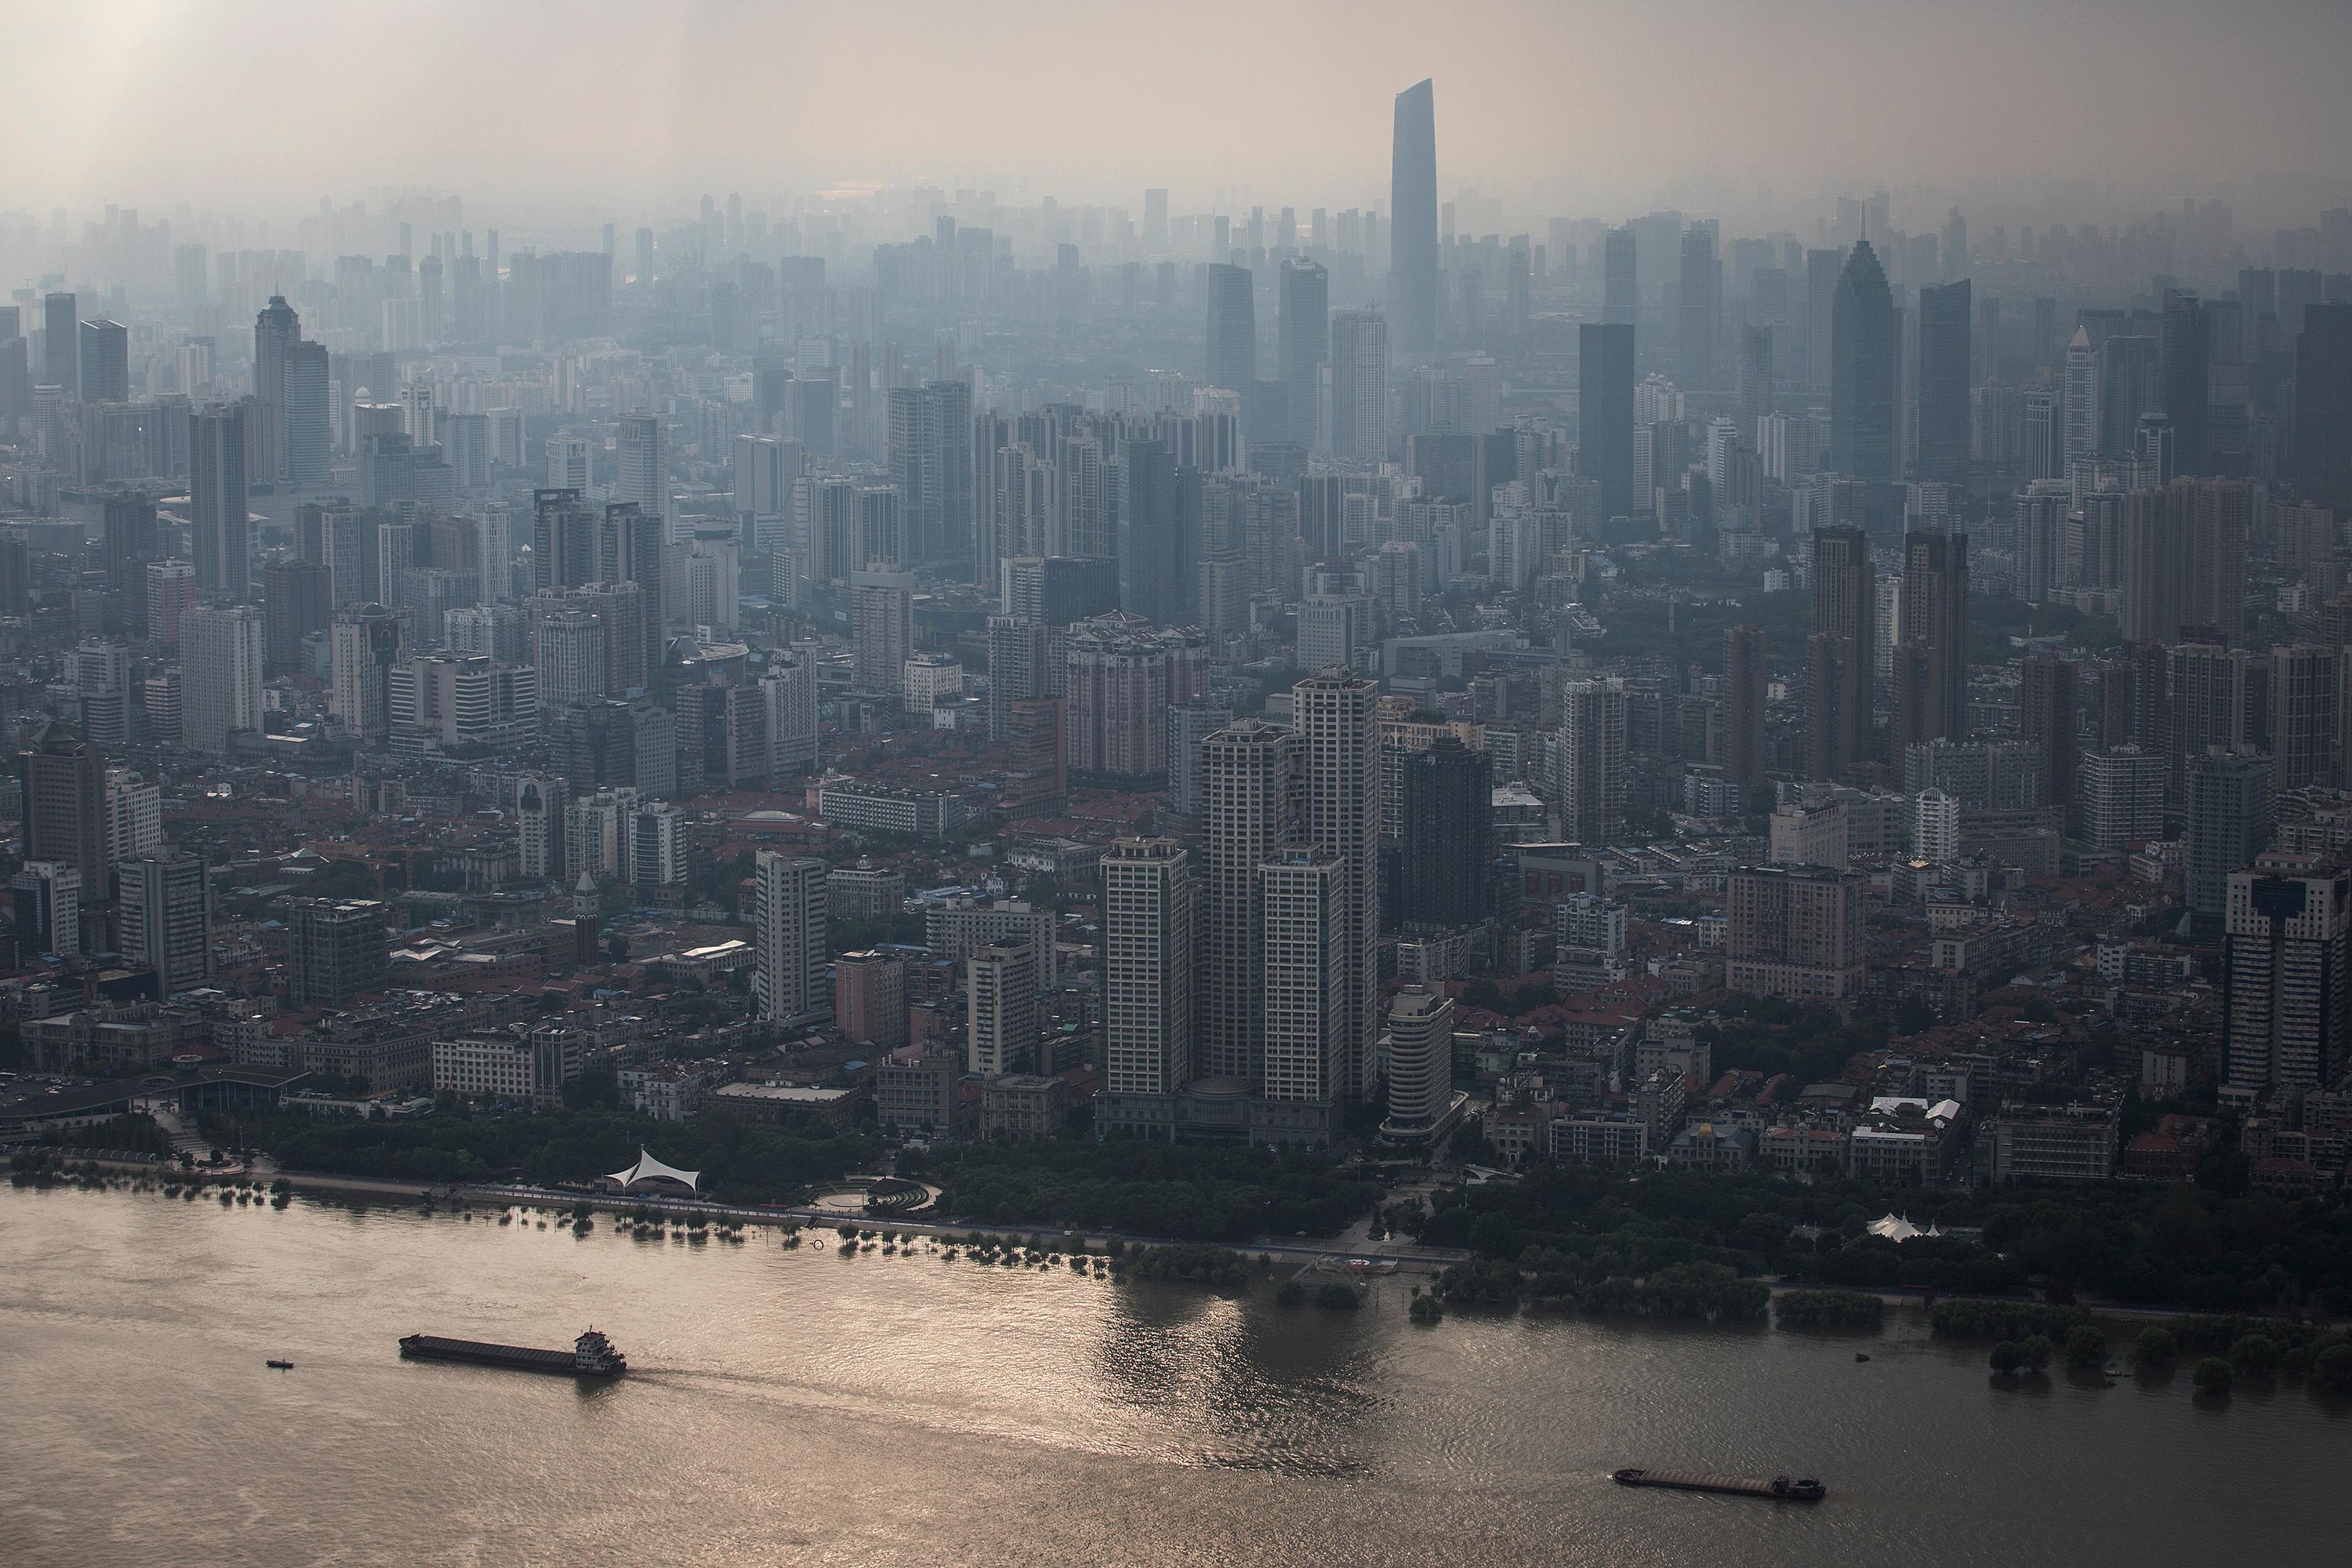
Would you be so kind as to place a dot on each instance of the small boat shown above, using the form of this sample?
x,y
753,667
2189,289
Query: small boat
x,y
1859,1356
280,1365
1779,1488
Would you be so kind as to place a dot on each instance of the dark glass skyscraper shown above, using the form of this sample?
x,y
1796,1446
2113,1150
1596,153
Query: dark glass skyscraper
x,y
1839,652
217,518
1305,341
105,362
1699,311
1413,222
1945,322
1861,370
1232,328
1448,815
2323,405
2188,356
1604,380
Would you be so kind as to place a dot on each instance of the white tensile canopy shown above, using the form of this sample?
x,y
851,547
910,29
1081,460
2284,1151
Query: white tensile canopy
x,y
648,1169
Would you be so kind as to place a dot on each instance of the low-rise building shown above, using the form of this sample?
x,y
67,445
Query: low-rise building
x,y
2073,1143
669,1091
1020,1107
532,1066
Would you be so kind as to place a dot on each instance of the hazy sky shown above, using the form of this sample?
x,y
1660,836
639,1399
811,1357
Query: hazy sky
x,y
1614,106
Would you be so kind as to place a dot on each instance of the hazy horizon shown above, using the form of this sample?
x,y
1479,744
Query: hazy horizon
x,y
1759,112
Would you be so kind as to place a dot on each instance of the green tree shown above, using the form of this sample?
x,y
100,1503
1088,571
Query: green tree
x,y
2213,1375
2258,1354
2155,1347
2007,1357
2086,1345
2037,1351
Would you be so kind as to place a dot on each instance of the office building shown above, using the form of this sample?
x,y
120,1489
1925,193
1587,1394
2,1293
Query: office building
x,y
644,477
166,919
1935,612
1605,417
2122,796
1413,220
217,515
61,781
2323,405
1861,371
1304,343
1230,359
931,436
2229,824
882,629
1699,310
104,349
2047,720
1446,874
1947,317
869,998
336,948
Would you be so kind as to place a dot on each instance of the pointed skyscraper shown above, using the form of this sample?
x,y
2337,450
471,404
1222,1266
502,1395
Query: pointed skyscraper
x,y
1861,370
1413,222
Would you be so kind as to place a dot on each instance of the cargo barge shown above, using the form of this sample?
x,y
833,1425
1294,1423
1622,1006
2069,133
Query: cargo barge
x,y
591,1356
1779,1488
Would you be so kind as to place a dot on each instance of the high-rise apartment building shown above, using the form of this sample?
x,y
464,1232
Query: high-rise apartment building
x,y
1231,361
1000,1032
1251,785
2047,719
220,661
1795,932
1592,761
1335,714
1151,937
1936,616
1305,342
61,781
788,938
1310,1054
1358,404
2286,974
1744,677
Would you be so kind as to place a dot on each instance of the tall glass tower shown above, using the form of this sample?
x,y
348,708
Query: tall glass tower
x,y
1413,221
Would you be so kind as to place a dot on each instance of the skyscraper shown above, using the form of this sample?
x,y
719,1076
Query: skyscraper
x,y
1335,713
1744,674
1310,1055
2286,973
1861,370
1699,311
1359,372
2081,418
1000,1009
217,515
645,469
1936,615
276,330
2229,826
2323,405
1304,346
2046,719
1592,761
1620,283
2305,683
1946,319
1605,415
1447,818
2188,337
221,681
1252,792
166,919
61,345
788,938
104,352
62,781
1151,931
335,949
297,599
1413,220
303,423
365,642
1840,654
930,466
1794,932
1231,361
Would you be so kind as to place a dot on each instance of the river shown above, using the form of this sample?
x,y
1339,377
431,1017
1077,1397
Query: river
x,y
805,1407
